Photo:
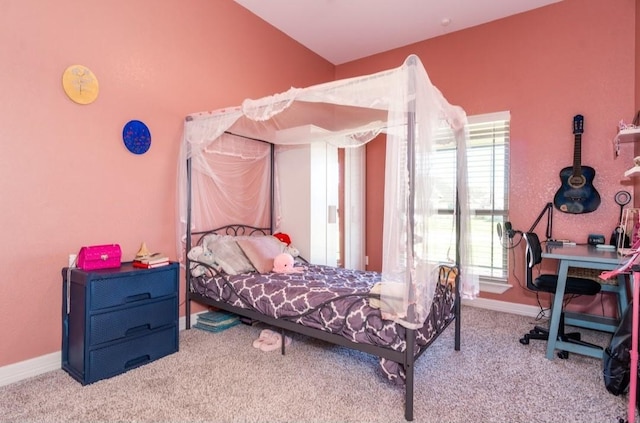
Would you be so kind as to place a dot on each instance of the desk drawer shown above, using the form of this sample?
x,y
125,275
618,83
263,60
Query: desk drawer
x,y
132,321
132,287
118,358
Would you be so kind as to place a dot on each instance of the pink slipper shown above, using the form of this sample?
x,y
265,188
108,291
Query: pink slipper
x,y
275,342
271,341
265,336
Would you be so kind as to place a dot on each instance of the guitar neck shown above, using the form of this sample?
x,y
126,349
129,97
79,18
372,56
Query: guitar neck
x,y
577,155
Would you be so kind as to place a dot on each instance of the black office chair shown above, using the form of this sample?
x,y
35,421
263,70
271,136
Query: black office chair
x,y
548,283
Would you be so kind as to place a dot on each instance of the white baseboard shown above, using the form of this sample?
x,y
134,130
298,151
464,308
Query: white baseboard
x,y
503,306
29,368
50,362
47,363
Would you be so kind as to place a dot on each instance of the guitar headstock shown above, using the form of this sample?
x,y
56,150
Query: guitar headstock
x,y
578,124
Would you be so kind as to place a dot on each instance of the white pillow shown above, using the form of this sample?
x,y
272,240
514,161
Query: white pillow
x,y
229,255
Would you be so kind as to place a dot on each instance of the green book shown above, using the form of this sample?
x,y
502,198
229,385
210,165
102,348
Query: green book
x,y
219,328
216,317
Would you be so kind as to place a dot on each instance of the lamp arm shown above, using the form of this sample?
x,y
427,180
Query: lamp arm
x,y
548,208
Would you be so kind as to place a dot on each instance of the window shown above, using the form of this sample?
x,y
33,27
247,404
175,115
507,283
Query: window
x,y
488,170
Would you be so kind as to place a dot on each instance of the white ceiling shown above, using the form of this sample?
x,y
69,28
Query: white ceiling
x,y
344,30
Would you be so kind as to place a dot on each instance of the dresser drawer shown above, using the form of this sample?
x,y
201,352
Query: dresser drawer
x,y
116,319
120,357
132,287
133,321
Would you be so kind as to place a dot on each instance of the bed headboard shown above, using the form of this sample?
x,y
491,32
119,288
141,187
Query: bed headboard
x,y
233,230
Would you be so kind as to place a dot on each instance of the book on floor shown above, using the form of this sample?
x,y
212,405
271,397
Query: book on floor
x,y
217,318
199,325
216,321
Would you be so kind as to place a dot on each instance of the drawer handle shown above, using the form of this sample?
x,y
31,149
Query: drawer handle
x,y
138,297
137,361
138,329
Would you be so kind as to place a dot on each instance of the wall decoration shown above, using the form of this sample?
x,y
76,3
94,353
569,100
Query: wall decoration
x,y
136,137
80,84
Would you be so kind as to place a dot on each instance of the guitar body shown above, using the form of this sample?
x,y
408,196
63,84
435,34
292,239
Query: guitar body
x,y
576,194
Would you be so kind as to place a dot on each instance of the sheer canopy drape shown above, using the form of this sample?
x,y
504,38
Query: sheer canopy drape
x,y
400,102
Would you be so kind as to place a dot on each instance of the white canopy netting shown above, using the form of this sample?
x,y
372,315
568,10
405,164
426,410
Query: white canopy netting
x,y
230,176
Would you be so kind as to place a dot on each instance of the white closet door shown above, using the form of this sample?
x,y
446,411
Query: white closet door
x,y
332,228
308,178
354,203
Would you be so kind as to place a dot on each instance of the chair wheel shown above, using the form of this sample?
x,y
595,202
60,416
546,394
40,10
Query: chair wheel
x,y
563,355
524,340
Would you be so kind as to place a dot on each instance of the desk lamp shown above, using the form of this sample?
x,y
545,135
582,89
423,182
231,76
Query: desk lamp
x,y
548,208
510,232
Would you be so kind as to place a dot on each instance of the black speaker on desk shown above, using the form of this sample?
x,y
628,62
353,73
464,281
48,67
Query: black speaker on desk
x,y
595,239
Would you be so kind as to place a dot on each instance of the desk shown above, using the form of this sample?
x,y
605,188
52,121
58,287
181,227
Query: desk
x,y
588,257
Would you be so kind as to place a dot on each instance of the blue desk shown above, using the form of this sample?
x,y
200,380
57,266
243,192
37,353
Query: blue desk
x,y
587,257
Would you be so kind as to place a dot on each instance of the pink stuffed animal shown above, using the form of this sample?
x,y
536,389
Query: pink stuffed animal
x,y
283,263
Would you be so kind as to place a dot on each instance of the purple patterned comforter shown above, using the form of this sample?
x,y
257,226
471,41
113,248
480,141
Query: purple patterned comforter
x,y
331,299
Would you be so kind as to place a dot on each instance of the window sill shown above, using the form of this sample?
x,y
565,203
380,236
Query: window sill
x,y
494,287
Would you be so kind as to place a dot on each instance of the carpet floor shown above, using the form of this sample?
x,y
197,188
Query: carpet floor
x,y
220,377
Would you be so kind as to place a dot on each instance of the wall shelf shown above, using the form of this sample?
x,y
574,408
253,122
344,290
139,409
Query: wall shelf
x,y
634,171
628,135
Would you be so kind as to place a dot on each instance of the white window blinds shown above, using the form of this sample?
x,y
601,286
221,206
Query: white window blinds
x,y
488,169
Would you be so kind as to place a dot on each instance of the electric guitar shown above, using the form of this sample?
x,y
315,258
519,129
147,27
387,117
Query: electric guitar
x,y
577,194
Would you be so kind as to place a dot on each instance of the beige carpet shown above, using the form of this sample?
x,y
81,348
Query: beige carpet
x,y
222,378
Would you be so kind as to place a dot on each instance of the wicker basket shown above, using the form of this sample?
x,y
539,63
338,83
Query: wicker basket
x,y
593,274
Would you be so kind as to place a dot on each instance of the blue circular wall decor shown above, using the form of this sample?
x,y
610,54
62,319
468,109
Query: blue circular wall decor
x,y
137,137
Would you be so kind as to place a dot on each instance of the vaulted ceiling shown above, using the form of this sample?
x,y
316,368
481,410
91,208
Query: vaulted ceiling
x,y
344,30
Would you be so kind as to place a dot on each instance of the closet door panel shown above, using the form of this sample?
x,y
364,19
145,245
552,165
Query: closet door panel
x,y
308,180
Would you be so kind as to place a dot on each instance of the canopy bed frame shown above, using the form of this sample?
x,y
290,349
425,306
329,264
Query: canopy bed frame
x,y
403,104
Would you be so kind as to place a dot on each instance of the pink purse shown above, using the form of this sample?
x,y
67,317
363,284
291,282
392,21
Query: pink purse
x,y
99,257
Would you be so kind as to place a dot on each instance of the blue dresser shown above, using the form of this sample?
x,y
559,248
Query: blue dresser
x,y
114,320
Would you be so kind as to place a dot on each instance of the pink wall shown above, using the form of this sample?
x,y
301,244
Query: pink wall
x,y
67,179
637,55
544,66
636,180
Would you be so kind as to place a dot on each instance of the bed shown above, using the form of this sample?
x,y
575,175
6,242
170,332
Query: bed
x,y
394,314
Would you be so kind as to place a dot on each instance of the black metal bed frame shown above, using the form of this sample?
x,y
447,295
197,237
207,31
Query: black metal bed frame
x,y
406,358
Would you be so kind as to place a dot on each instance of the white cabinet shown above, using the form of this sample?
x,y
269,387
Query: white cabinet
x,y
308,186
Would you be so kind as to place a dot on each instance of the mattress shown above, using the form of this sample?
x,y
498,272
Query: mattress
x,y
331,299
